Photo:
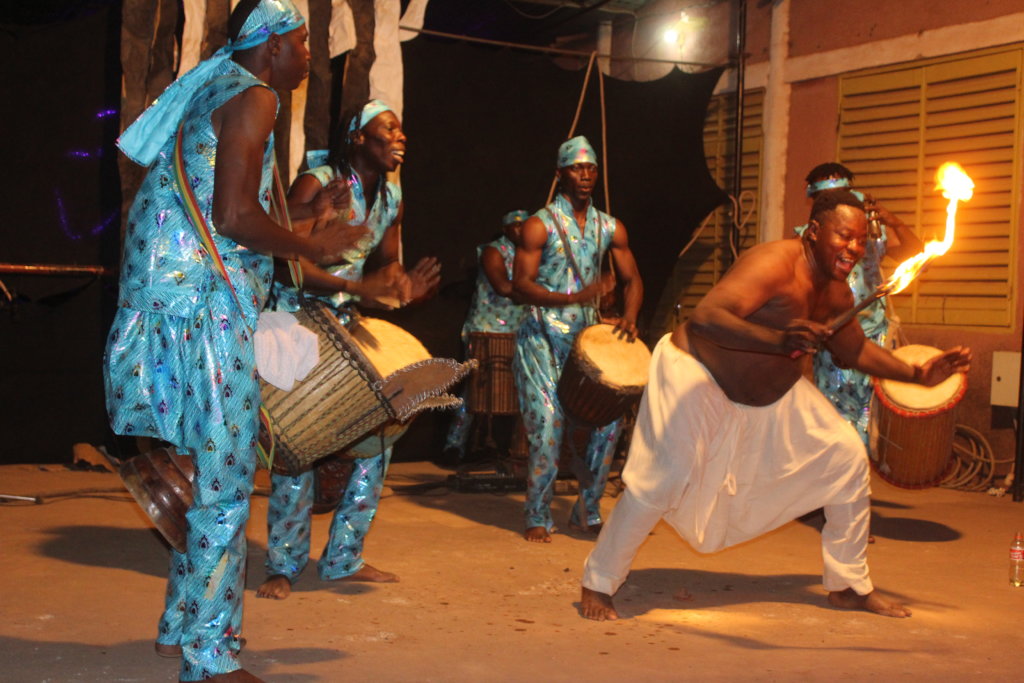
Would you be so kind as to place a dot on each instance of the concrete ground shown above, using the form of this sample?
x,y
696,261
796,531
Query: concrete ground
x,y
83,577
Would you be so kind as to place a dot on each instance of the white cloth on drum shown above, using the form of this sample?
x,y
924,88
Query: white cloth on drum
x,y
722,473
285,350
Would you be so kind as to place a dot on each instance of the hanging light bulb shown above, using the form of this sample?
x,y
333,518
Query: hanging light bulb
x,y
676,33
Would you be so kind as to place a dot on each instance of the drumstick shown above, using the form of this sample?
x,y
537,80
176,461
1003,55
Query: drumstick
x,y
841,320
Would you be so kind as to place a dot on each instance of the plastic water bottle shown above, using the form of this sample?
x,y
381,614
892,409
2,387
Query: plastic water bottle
x,y
1017,561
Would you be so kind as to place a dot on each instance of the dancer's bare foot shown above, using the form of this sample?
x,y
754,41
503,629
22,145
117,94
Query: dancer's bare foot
x,y
597,606
537,534
370,574
872,602
586,528
237,676
277,587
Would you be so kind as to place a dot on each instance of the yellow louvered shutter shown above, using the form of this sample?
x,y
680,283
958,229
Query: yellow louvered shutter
x,y
897,125
701,266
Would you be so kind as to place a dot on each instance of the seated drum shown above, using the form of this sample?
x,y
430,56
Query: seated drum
x,y
492,389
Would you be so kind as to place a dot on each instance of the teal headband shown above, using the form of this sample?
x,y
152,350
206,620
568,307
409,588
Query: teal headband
x,y
576,151
370,110
826,184
144,139
514,217
269,16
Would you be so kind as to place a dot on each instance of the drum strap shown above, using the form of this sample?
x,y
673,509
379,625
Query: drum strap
x,y
195,216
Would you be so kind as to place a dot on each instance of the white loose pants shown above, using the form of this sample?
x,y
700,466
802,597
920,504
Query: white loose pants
x,y
722,473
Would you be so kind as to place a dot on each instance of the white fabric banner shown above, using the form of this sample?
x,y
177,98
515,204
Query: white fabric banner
x,y
192,34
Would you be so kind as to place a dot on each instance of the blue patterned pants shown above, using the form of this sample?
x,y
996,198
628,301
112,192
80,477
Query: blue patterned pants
x,y
290,512
192,382
537,367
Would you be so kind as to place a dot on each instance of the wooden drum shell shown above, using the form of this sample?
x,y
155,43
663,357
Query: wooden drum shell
x,y
492,389
584,390
370,382
915,425
337,403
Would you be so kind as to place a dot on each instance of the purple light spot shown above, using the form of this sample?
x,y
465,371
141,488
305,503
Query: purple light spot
x,y
85,153
65,224
105,113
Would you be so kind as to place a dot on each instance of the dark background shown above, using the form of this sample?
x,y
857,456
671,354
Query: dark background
x,y
484,125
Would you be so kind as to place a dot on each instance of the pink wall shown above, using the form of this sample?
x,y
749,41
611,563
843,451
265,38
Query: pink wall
x,y
819,25
812,141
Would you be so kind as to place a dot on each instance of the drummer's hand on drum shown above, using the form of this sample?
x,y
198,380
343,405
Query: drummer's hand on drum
x,y
380,289
938,369
624,329
424,279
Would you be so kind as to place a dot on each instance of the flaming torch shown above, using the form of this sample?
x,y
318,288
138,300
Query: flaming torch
x,y
956,186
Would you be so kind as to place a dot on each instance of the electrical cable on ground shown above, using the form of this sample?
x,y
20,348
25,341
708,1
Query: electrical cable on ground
x,y
973,463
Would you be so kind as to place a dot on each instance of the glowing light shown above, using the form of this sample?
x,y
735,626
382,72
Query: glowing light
x,y
677,33
956,186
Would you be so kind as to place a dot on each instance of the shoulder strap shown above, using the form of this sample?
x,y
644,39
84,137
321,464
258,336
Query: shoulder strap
x,y
567,246
195,216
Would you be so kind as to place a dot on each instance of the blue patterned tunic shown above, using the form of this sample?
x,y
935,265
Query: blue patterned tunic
x,y
543,344
378,219
179,366
490,311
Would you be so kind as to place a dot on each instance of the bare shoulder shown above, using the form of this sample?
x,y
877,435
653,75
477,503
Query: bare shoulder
x,y
252,110
774,260
780,250
534,233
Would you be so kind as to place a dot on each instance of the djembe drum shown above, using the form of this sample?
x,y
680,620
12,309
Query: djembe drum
x,y
604,376
372,379
370,382
915,424
492,389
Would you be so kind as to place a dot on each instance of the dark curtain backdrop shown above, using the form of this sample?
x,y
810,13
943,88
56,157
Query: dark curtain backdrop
x,y
61,81
484,125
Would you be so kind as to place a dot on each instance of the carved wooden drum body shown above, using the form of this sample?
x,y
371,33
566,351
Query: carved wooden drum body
x,y
372,379
915,424
492,389
604,376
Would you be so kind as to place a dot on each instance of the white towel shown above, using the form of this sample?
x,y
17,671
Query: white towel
x,y
285,350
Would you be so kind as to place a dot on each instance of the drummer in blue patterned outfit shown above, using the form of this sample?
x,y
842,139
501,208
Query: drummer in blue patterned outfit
x,y
373,146
179,364
491,310
557,274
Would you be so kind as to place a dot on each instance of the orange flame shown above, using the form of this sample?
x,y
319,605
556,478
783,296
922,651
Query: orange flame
x,y
956,186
